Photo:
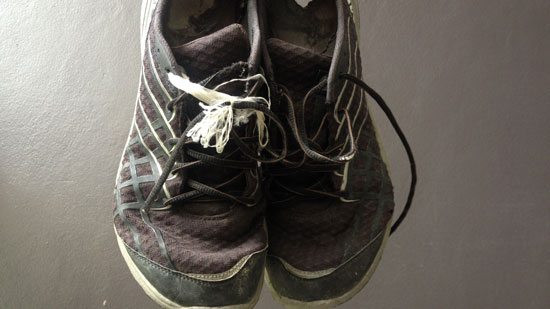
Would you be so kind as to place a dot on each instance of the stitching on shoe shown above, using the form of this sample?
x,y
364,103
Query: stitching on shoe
x,y
191,277
308,275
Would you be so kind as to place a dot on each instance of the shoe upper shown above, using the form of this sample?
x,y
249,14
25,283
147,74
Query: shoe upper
x,y
208,215
332,197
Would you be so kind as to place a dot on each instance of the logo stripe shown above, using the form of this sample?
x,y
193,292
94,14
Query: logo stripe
x,y
155,72
159,110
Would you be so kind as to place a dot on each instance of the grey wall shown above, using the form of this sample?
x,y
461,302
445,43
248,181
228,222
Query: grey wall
x,y
469,81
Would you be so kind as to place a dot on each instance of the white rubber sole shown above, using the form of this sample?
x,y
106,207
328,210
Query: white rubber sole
x,y
333,302
160,299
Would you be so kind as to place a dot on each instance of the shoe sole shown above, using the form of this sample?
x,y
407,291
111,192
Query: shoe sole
x,y
333,302
160,299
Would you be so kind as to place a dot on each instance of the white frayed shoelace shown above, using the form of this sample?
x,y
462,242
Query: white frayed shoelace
x,y
220,116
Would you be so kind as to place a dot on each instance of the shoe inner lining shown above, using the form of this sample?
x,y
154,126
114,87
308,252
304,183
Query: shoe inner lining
x,y
313,26
188,20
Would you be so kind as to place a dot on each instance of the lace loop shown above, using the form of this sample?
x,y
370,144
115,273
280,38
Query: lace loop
x,y
234,111
298,128
323,162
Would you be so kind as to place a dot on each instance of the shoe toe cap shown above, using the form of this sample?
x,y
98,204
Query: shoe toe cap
x,y
173,289
326,288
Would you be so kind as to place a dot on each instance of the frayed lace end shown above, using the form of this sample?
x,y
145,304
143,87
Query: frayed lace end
x,y
214,130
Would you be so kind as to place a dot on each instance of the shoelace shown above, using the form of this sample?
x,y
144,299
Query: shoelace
x,y
220,113
329,160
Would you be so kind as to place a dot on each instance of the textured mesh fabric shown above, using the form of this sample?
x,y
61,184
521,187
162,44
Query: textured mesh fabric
x,y
205,56
296,67
200,244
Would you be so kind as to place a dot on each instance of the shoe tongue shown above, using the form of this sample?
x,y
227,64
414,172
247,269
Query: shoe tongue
x,y
299,69
207,55
296,67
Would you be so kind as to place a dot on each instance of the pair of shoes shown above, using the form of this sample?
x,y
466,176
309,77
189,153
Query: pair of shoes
x,y
251,120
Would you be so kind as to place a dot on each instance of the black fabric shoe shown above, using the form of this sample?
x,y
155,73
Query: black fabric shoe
x,y
189,209
331,200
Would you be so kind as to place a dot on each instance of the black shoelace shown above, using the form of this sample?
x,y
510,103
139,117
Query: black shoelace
x,y
315,160
202,159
